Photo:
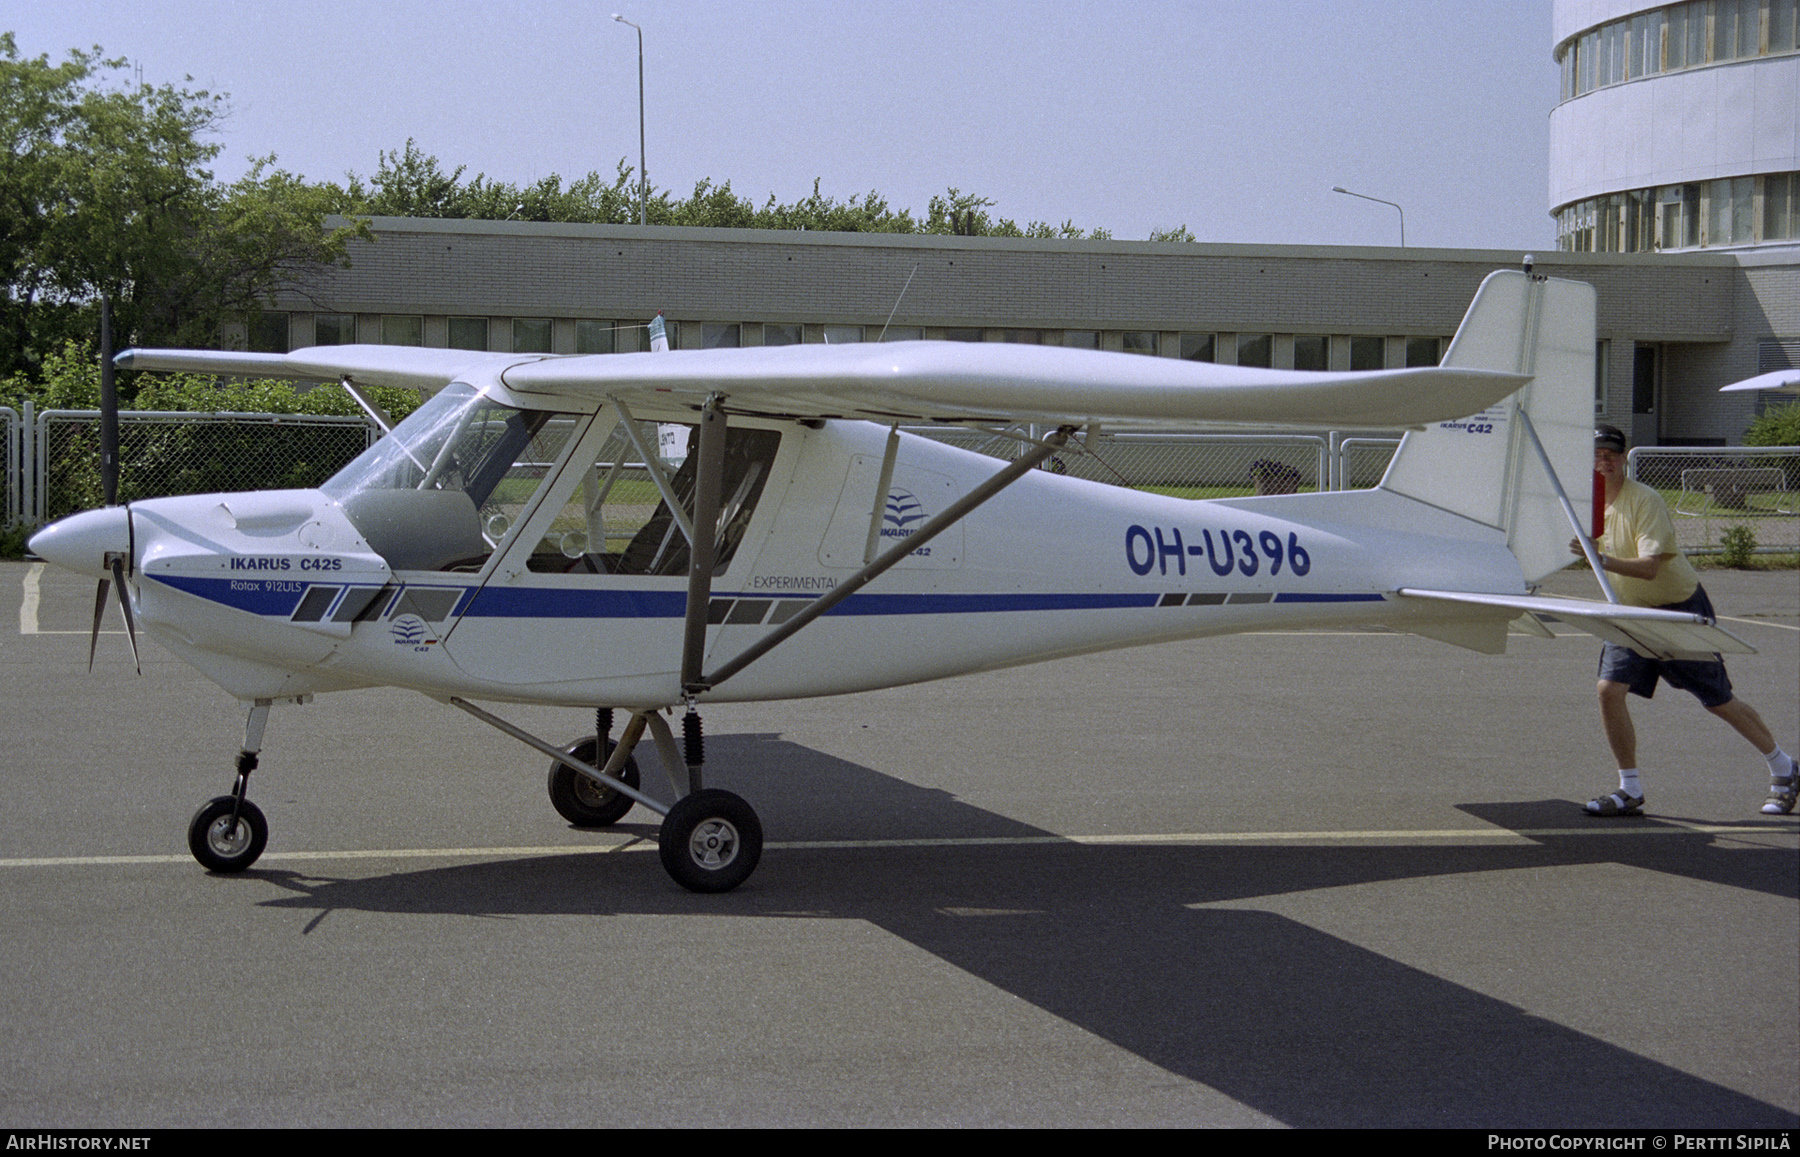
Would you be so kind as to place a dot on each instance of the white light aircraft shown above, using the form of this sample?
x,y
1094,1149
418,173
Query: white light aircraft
x,y
523,537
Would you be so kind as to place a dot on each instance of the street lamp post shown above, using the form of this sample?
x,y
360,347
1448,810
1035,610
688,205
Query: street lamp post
x,y
1366,197
643,171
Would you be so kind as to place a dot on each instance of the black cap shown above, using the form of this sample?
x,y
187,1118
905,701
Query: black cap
x,y
1609,438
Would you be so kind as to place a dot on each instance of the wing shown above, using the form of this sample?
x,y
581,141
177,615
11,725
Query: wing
x,y
1646,630
373,365
961,382
922,382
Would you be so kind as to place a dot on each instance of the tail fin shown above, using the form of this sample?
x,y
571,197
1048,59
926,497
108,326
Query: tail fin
x,y
659,338
1484,467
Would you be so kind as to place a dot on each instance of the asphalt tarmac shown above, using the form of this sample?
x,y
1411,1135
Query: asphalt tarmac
x,y
1274,880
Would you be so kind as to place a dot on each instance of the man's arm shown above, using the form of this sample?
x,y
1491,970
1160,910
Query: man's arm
x,y
1637,568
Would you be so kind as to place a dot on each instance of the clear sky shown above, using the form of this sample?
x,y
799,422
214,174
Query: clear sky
x,y
1231,117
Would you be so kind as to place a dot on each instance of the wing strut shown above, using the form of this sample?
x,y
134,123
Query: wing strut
x,y
709,483
932,528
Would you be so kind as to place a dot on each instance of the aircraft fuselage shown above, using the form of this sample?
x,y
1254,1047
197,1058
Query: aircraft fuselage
x,y
277,594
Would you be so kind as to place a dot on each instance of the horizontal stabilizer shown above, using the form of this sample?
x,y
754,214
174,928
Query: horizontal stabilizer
x,y
1787,381
1655,633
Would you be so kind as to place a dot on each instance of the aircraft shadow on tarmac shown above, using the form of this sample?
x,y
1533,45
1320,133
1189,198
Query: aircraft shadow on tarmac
x,y
1300,1025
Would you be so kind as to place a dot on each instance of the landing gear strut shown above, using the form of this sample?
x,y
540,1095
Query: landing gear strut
x,y
710,840
229,833
579,799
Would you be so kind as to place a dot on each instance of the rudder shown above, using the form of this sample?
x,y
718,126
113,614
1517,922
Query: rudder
x,y
1484,467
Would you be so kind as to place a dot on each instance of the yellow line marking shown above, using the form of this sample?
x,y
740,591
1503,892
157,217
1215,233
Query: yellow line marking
x,y
1654,827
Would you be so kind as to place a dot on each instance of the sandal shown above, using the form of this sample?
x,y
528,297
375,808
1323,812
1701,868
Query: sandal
x,y
1617,804
1781,796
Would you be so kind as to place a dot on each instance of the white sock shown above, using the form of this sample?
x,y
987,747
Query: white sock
x,y
1778,760
1628,783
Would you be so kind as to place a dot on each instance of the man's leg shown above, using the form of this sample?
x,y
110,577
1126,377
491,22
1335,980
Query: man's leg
x,y
1615,717
1747,723
1621,736
1745,720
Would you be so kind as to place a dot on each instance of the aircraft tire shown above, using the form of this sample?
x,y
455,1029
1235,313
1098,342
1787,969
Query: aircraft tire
x,y
579,799
710,841
219,850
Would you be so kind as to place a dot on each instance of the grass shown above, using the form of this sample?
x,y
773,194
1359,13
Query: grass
x,y
1757,562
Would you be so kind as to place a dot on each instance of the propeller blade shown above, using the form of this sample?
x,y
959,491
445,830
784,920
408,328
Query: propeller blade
x,y
99,612
118,569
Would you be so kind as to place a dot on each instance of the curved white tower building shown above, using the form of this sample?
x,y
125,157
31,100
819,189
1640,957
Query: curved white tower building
x,y
1678,126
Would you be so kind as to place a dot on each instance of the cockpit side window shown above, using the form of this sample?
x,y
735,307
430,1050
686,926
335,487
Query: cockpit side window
x,y
620,522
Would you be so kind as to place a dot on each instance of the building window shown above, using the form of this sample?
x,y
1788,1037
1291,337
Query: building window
x,y
903,333
468,333
1679,206
1311,351
269,333
1368,353
1255,349
1737,28
718,335
1784,26
781,335
1728,211
402,329
593,337
531,335
1601,377
1779,196
1081,339
843,334
1775,353
1422,351
1199,347
1138,341
334,328
1023,336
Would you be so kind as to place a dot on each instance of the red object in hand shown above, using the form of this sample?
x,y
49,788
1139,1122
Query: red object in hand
x,y
1599,519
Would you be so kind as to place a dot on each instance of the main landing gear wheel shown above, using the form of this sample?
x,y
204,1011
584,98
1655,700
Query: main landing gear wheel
x,y
710,841
579,799
222,846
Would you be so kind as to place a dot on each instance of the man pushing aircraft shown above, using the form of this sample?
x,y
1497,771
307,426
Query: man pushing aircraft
x,y
1639,549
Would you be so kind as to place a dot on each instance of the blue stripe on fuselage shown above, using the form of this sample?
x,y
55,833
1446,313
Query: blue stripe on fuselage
x,y
279,598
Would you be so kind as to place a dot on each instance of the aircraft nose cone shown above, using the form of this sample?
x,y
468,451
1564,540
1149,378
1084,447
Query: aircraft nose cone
x,y
82,541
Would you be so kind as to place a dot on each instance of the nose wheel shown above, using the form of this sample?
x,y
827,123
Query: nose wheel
x,y
228,834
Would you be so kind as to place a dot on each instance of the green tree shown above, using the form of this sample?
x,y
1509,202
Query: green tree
x,y
412,183
105,191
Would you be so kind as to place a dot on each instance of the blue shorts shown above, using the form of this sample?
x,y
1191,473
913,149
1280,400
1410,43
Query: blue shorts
x,y
1704,679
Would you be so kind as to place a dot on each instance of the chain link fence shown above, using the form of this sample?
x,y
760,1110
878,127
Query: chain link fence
x,y
1711,490
12,460
163,453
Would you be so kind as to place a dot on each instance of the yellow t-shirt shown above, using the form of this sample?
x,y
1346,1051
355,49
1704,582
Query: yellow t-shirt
x,y
1638,526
